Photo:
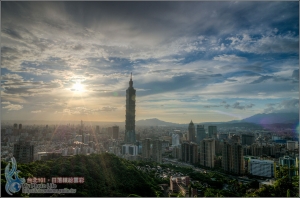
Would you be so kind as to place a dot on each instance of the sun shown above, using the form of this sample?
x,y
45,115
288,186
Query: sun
x,y
78,87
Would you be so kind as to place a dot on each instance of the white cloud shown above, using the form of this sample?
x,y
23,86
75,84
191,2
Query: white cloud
x,y
230,58
37,111
13,107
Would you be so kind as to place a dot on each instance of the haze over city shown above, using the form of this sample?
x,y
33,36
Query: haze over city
x,y
205,61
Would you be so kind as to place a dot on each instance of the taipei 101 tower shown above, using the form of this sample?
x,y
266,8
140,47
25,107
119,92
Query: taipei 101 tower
x,y
130,114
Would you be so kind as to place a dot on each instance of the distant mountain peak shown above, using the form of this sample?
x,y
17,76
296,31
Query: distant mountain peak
x,y
272,118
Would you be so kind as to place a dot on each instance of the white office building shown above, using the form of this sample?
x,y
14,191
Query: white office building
x,y
264,168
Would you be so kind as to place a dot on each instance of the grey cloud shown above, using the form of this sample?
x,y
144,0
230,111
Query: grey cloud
x,y
108,108
37,111
283,107
78,47
294,103
14,34
261,79
249,106
267,44
295,74
227,106
215,75
209,106
237,105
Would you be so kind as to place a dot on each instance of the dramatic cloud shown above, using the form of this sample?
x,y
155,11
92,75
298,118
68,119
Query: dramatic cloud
x,y
75,58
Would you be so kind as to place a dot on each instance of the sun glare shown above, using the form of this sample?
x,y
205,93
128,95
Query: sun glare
x,y
78,87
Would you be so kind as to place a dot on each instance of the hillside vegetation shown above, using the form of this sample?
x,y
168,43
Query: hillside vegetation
x,y
105,175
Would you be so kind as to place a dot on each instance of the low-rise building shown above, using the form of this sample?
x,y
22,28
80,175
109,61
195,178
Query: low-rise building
x,y
263,168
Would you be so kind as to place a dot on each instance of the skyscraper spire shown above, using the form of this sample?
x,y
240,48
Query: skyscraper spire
x,y
130,82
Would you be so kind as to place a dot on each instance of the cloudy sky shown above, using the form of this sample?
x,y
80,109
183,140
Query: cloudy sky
x,y
205,61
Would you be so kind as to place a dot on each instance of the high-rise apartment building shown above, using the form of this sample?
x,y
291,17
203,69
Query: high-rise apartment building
x,y
207,152
189,152
247,139
233,158
237,159
146,149
191,132
200,133
227,157
157,151
86,138
212,132
185,151
130,113
23,152
115,132
193,153
235,139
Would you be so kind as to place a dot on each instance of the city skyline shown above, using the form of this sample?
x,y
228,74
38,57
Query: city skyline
x,y
200,61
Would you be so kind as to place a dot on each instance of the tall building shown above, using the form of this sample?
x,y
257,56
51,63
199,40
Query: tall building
x,y
236,139
146,152
86,138
193,153
20,126
157,151
191,132
15,126
130,113
233,158
175,139
237,159
185,152
200,133
247,139
115,132
23,152
207,152
212,132
223,136
97,129
227,157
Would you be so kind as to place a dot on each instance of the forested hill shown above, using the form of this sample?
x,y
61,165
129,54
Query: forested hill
x,y
105,176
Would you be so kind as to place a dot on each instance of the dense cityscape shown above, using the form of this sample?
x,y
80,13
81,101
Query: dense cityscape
x,y
246,155
150,99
